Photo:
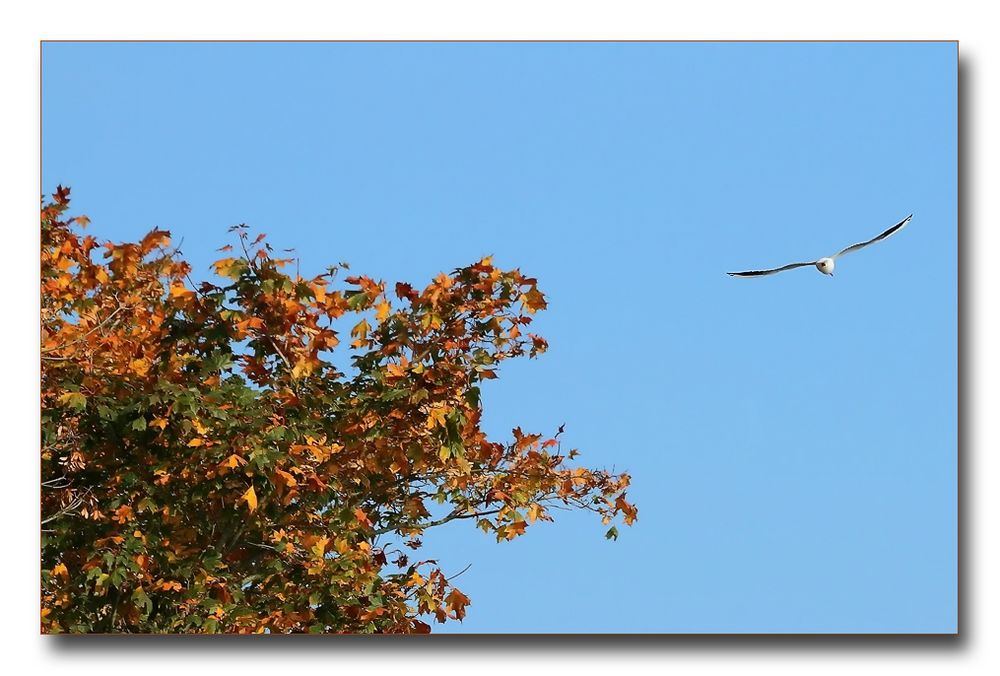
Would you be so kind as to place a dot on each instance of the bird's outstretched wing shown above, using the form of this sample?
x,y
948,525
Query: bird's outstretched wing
x,y
761,273
878,238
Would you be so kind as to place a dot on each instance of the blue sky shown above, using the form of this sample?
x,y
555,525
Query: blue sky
x,y
792,440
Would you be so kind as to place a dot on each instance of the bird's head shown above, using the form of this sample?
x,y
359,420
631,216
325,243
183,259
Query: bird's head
x,y
825,265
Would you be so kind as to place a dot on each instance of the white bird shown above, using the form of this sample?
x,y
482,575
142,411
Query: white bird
x,y
826,265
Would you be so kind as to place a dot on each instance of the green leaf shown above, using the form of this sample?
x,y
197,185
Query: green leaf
x,y
74,400
612,533
357,300
140,598
139,424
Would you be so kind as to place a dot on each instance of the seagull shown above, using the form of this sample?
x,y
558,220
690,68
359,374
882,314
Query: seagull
x,y
826,265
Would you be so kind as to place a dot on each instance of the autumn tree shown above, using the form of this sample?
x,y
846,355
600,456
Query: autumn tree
x,y
206,467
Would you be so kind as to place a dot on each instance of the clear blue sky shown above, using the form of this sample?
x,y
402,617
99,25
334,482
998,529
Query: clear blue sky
x,y
792,439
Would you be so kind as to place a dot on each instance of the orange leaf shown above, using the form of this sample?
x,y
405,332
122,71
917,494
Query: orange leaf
x,y
154,239
139,366
250,497
233,461
287,479
61,570
362,517
457,601
179,291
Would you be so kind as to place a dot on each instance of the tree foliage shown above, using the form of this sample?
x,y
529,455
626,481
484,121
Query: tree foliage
x,y
206,467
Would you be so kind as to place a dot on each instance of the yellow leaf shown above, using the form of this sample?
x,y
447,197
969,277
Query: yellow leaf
x,y
140,366
73,400
436,418
251,498
319,549
303,367
158,422
360,331
179,291
382,311
196,442
61,570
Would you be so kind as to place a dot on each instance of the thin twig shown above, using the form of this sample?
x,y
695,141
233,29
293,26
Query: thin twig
x,y
449,579
86,335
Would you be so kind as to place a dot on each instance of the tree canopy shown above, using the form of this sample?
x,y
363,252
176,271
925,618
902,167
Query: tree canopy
x,y
207,467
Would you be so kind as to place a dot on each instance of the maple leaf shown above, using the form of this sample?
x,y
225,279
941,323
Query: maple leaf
x,y
179,291
153,239
233,461
74,400
230,405
250,497
534,511
457,602
139,366
405,291
61,570
362,517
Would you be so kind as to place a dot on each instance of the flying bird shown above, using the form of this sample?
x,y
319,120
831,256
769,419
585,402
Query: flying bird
x,y
826,265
